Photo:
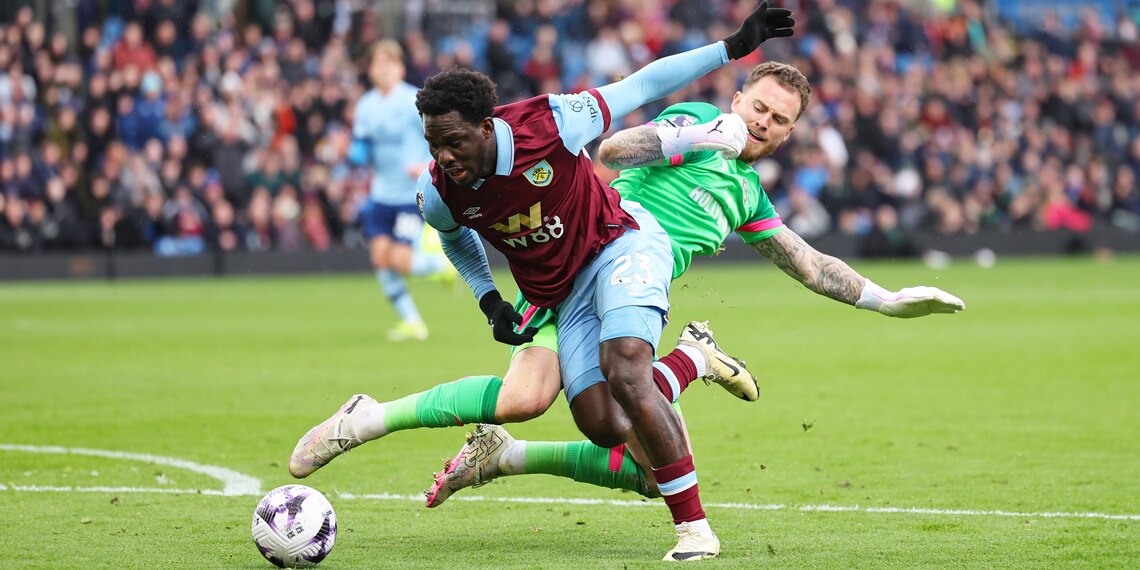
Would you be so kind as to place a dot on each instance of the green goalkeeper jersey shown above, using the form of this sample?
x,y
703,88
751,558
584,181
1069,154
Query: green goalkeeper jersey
x,y
699,197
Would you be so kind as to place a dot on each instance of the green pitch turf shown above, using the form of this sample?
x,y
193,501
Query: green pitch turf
x,y
1003,437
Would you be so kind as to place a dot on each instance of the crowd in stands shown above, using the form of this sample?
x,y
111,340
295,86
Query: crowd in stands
x,y
185,126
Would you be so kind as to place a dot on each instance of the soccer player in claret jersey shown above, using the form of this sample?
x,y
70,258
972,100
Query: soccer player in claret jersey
x,y
691,168
517,176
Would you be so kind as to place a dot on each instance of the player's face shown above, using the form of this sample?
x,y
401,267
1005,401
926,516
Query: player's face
x,y
465,151
769,109
385,72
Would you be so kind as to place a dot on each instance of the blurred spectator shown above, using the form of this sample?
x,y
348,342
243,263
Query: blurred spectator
x,y
1125,209
132,51
947,121
16,232
887,238
223,231
805,215
184,218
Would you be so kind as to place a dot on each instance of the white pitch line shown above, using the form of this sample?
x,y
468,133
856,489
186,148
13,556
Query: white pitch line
x,y
233,483
236,484
160,491
756,507
599,502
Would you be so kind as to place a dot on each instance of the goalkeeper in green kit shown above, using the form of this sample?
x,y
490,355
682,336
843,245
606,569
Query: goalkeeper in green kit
x,y
692,169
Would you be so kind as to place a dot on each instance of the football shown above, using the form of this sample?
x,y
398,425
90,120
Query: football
x,y
294,526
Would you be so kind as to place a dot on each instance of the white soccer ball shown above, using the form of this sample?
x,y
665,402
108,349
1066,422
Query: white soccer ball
x,y
294,526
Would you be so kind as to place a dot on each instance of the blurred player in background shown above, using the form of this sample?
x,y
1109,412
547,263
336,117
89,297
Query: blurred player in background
x,y
388,136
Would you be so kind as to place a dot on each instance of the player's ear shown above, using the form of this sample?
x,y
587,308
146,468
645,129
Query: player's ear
x,y
487,127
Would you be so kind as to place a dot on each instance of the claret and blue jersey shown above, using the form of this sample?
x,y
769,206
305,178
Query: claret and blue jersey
x,y
544,208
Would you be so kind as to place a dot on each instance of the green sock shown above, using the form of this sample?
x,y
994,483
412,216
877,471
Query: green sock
x,y
585,462
465,401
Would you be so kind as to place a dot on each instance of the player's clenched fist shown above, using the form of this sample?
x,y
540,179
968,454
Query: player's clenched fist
x,y
503,317
725,134
764,23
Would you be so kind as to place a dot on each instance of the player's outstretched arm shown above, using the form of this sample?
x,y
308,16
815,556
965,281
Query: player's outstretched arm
x,y
831,277
669,74
461,245
651,144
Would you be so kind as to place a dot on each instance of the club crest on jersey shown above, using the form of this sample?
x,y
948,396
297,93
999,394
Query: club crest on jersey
x,y
540,174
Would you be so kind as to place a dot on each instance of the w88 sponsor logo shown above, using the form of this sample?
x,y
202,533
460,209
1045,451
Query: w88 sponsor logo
x,y
546,229
550,229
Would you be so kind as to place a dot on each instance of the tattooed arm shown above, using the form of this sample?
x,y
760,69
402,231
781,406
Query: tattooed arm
x,y
824,274
831,277
645,145
630,148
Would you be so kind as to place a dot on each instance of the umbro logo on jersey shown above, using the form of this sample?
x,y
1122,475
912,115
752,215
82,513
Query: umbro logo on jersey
x,y
472,213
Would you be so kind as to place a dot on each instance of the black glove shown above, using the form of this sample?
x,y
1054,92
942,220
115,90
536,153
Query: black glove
x,y
502,317
764,23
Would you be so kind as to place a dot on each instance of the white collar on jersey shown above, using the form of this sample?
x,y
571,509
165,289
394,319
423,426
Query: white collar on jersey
x,y
504,139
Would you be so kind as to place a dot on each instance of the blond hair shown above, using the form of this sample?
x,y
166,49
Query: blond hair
x,y
787,76
388,48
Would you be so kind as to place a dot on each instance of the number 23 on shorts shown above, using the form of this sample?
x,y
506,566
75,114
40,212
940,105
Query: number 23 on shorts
x,y
632,269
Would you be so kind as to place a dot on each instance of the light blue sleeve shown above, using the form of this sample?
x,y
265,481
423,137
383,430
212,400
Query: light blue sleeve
x,y
580,119
415,147
359,151
361,119
461,245
661,78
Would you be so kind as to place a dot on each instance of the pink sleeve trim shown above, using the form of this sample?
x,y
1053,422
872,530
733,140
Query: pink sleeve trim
x,y
762,225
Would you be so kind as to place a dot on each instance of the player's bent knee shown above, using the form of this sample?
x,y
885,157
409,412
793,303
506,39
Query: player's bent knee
x,y
522,409
379,250
625,362
380,259
600,418
531,385
608,434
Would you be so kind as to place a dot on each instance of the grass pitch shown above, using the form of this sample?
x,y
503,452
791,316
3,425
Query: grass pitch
x,y
1002,437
